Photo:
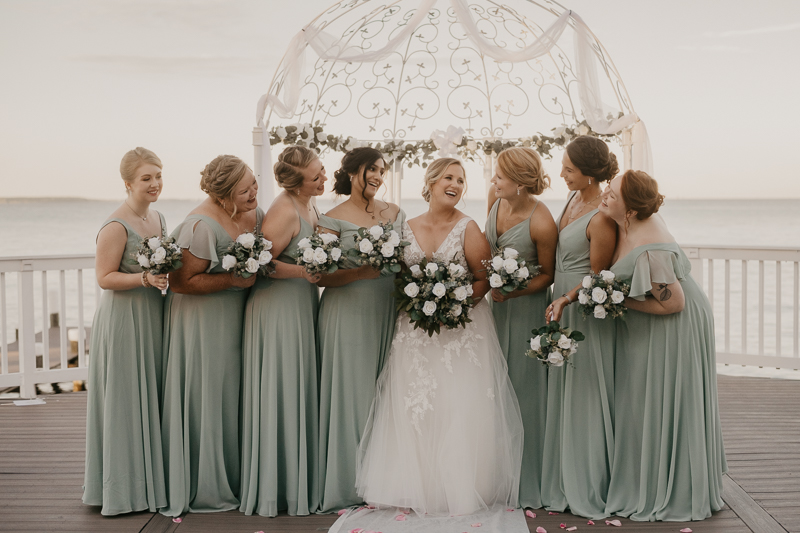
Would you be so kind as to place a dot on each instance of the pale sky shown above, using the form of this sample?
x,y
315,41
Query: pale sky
x,y
83,81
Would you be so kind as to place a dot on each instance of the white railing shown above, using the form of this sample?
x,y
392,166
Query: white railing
x,y
754,292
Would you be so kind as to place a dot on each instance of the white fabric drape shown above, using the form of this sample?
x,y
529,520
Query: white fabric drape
x,y
329,47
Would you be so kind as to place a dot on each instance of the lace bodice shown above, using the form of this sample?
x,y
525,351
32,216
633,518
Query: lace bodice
x,y
451,249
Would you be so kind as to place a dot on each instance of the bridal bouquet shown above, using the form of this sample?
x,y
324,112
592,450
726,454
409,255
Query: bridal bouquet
x,y
553,345
435,294
249,254
159,256
379,246
320,253
601,295
507,272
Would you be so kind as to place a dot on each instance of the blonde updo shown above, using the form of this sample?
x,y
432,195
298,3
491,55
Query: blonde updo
x,y
640,193
220,178
292,161
523,166
436,171
131,162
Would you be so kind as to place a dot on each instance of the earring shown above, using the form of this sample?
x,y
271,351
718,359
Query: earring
x,y
517,192
590,181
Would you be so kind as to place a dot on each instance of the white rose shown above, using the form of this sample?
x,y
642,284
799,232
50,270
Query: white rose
x,y
439,290
415,271
251,265
555,359
429,308
587,282
510,253
523,273
394,238
304,243
469,290
309,130
365,246
228,262
264,257
583,129
153,242
321,137
320,256
143,261
411,290
455,270
267,244
599,295
431,269
159,255
336,253
536,343
376,232
495,281
281,133
457,310
328,238
617,297
387,250
510,265
308,255
564,342
583,297
461,294
472,146
497,262
607,275
247,240
599,311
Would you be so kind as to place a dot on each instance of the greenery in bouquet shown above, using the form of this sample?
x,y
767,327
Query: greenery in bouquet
x,y
508,273
553,345
435,294
158,256
602,295
380,247
249,254
320,253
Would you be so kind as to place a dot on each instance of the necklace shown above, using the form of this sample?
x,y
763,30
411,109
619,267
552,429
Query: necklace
x,y
583,207
134,212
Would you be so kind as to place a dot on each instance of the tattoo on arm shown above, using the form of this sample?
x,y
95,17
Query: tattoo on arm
x,y
665,292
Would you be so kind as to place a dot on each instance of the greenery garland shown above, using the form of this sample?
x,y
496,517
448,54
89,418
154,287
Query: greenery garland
x,y
420,152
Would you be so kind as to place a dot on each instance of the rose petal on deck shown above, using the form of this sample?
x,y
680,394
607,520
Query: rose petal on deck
x,y
510,510
177,520
590,523
530,514
400,517
616,523
476,524
357,530
686,530
540,529
552,513
562,525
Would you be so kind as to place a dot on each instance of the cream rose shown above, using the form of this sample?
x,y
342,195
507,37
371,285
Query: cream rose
x,y
523,273
457,310
607,276
411,290
455,270
267,244
495,281
376,232
460,293
431,269
429,308
599,295
159,255
583,298
510,265
308,255
587,282
304,243
617,297
320,256
264,257
365,246
536,343
510,253
497,262
336,253
555,359
564,342
599,311
153,242
415,271
144,262
387,250
439,290
251,265
394,238
328,238
247,240
228,262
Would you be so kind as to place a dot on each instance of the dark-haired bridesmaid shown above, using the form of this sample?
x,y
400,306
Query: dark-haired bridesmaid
x,y
579,436
669,456
356,325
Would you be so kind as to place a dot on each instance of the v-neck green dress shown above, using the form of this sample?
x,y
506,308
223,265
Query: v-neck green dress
x,y
279,393
579,436
514,319
200,418
669,456
356,326
124,463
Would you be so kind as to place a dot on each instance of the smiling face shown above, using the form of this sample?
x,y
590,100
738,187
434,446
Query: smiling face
x,y
245,194
314,179
369,179
612,204
449,188
503,186
147,184
574,178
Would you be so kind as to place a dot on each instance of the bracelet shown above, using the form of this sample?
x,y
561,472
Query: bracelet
x,y
566,295
145,283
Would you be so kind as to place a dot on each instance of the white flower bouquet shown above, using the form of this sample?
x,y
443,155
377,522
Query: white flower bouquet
x,y
435,294
158,256
554,345
379,246
508,273
249,254
602,294
320,253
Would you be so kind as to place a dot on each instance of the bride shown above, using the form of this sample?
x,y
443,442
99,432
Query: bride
x,y
444,435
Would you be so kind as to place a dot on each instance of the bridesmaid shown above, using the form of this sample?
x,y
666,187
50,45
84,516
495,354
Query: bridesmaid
x,y
279,386
669,457
356,325
203,330
124,464
518,220
579,437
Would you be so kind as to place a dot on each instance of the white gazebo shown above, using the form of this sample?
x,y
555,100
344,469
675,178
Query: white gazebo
x,y
466,77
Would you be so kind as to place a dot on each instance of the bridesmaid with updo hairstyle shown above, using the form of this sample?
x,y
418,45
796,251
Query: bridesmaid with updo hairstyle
x,y
279,379
579,434
356,325
519,220
203,335
124,464
669,455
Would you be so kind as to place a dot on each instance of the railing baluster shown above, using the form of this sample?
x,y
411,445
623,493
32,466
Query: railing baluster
x,y
62,322
744,306
727,306
81,329
45,324
761,308
778,266
4,321
796,325
27,331
711,284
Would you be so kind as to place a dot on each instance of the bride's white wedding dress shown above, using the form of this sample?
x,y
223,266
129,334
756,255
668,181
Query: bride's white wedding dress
x,y
444,436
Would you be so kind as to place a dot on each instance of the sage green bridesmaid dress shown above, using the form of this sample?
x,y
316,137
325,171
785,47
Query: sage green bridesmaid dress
x,y
669,456
514,319
124,463
200,418
356,326
579,436
279,393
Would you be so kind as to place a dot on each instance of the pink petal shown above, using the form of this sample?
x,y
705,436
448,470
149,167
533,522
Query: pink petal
x,y
562,525
540,529
573,528
552,513
340,512
370,507
357,530
400,517
510,510
476,524
613,523
686,530
530,514
177,520
406,511
590,523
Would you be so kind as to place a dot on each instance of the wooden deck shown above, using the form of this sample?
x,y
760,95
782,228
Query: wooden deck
x,y
42,454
